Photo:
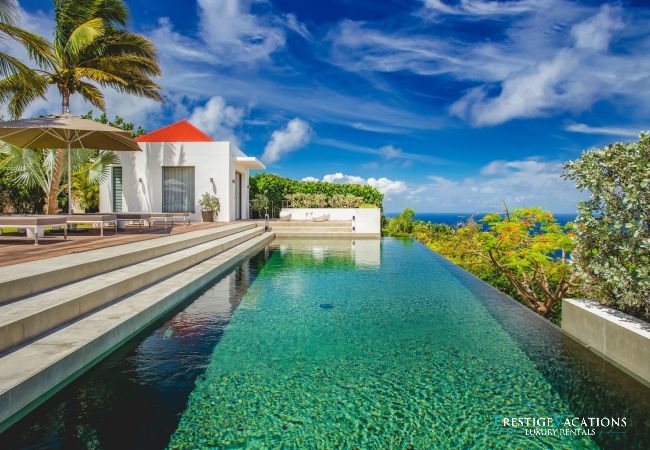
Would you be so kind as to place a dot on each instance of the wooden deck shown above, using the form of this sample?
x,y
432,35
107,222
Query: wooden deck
x,y
16,248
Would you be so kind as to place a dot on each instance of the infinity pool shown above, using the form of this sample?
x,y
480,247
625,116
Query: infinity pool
x,y
344,344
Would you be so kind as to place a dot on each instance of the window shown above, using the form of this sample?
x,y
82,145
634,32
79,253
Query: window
x,y
116,177
178,189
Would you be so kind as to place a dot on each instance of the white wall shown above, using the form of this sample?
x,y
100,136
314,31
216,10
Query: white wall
x,y
365,220
209,159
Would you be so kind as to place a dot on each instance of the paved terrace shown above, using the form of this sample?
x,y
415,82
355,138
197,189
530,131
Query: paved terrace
x,y
15,248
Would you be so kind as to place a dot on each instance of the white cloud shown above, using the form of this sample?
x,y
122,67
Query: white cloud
x,y
295,135
218,119
607,130
296,26
518,183
386,186
482,8
340,178
570,80
235,34
554,57
596,32
387,152
310,179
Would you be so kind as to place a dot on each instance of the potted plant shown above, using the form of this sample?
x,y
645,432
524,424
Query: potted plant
x,y
209,206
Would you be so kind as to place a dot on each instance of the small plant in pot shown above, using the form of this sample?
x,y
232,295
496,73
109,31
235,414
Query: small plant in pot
x,y
209,206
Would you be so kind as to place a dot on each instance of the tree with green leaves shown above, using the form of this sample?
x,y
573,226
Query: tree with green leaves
x,y
529,247
91,50
612,253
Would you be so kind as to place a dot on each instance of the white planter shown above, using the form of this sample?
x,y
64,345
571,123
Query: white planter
x,y
618,337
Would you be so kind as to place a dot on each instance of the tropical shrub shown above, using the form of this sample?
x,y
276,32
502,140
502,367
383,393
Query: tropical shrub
x,y
34,169
529,247
345,201
18,199
400,226
260,205
300,200
276,188
612,252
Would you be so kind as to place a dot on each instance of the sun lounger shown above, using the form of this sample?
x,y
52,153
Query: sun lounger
x,y
183,216
135,218
95,220
34,223
323,218
149,219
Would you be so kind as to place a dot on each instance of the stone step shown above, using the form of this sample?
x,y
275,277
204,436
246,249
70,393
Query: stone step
x,y
311,229
32,373
21,280
308,224
32,316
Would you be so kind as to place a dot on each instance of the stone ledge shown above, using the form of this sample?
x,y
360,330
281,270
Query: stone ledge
x,y
619,338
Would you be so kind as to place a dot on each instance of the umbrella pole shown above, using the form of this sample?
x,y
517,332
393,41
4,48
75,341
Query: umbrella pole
x,y
69,182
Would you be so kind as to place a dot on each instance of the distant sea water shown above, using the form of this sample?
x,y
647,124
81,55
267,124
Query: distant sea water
x,y
455,218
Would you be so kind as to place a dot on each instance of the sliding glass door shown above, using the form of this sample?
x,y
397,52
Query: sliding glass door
x,y
178,189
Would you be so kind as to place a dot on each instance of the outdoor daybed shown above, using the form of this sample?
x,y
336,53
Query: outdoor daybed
x,y
149,219
35,223
95,220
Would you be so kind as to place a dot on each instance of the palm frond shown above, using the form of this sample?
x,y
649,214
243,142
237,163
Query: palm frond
x,y
24,165
98,169
98,75
38,48
9,11
91,94
20,89
83,37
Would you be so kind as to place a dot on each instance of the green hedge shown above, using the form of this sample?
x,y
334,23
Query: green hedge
x,y
276,188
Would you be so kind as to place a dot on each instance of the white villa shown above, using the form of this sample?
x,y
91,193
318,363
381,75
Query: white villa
x,y
179,163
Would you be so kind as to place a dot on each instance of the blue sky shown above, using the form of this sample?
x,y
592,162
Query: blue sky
x,y
445,106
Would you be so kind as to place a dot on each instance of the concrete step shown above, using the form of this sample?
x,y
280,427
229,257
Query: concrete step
x,y
304,224
32,373
311,229
32,316
20,280
321,234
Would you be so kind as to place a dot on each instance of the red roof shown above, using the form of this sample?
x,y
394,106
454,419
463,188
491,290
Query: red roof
x,y
182,131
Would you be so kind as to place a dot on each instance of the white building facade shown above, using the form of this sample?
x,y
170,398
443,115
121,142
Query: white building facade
x,y
177,165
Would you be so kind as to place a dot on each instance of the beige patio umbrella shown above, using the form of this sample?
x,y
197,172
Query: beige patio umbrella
x,y
66,131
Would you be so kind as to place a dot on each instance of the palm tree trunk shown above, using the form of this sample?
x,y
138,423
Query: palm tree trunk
x,y
52,202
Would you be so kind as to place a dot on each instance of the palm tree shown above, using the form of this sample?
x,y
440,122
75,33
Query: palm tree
x,y
91,49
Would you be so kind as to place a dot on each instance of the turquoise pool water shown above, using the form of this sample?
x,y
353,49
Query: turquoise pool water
x,y
341,347
343,344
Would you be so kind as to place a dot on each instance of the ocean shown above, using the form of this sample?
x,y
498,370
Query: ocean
x,y
455,218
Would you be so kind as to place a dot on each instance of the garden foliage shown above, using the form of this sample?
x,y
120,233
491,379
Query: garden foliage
x,y
612,251
278,189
